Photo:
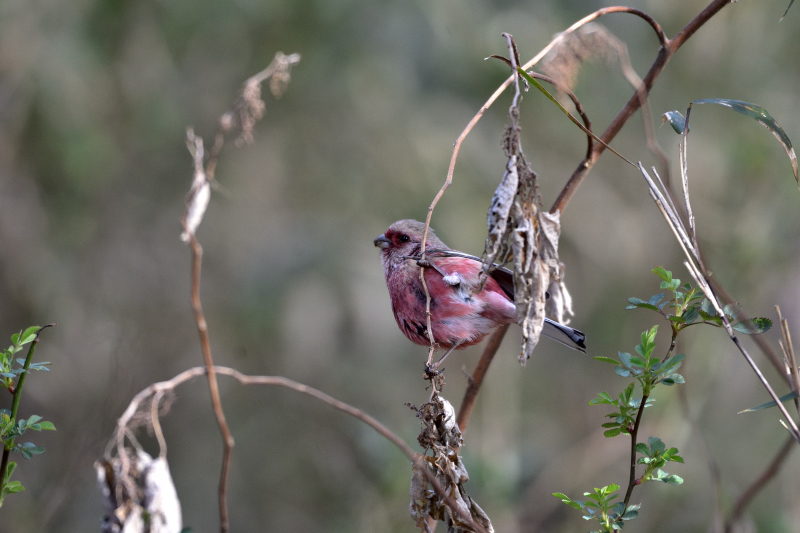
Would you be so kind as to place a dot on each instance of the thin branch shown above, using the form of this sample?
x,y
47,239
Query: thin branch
x,y
667,50
703,279
248,109
538,57
216,403
476,379
162,387
632,478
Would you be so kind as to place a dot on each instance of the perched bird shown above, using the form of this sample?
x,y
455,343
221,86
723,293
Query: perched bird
x,y
460,316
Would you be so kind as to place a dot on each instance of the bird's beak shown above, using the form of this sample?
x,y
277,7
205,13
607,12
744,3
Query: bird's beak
x,y
381,242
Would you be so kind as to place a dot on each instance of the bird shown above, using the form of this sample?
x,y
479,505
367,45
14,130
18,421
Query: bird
x,y
461,315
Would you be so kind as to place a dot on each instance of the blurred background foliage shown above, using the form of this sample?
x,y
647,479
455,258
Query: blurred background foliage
x,y
94,100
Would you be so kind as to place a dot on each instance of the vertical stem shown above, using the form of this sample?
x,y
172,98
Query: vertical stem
x,y
227,438
634,433
15,403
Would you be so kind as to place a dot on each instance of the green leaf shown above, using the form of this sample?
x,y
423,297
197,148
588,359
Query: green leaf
x,y
676,120
12,487
708,308
612,432
606,360
625,357
569,501
29,334
690,314
48,426
665,275
575,121
760,115
754,326
639,303
673,379
641,447
791,396
621,371
656,445
654,299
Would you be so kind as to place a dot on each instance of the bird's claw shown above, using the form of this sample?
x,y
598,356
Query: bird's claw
x,y
431,371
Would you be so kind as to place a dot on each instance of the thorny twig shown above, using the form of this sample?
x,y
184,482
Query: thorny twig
x,y
158,390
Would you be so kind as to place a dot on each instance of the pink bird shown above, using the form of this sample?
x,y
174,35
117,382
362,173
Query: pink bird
x,y
460,317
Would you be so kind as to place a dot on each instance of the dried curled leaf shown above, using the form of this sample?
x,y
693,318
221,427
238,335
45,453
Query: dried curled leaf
x,y
497,219
199,193
592,41
141,499
441,435
531,278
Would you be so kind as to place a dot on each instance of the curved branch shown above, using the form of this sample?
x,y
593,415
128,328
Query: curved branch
x,y
162,387
668,49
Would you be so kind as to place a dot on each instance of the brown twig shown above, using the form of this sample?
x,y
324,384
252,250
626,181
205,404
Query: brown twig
x,y
216,404
476,379
247,109
156,390
665,53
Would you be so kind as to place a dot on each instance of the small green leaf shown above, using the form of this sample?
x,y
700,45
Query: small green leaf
x,y
48,426
29,334
656,445
665,275
625,358
612,432
690,314
754,326
621,371
641,447
760,115
606,360
654,299
676,120
708,308
12,487
569,501
792,395
673,379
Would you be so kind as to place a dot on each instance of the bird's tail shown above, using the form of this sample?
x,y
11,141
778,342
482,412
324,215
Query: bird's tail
x,y
565,335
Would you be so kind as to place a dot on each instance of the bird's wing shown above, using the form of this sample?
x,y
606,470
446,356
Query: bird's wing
x,y
504,277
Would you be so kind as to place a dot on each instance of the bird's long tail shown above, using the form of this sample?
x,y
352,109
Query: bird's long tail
x,y
565,335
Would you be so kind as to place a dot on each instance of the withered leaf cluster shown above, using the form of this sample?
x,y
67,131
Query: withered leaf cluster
x,y
440,436
519,230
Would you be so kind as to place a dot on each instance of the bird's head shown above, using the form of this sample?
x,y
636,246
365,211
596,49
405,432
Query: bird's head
x,y
403,239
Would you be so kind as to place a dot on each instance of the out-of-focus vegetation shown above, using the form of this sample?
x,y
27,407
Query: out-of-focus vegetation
x,y
94,100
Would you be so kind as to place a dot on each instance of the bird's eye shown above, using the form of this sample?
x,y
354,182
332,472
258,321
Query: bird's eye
x,y
404,238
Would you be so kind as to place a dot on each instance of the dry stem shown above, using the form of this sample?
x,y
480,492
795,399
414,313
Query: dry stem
x,y
157,390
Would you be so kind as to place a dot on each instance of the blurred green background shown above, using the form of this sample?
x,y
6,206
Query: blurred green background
x,y
95,97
